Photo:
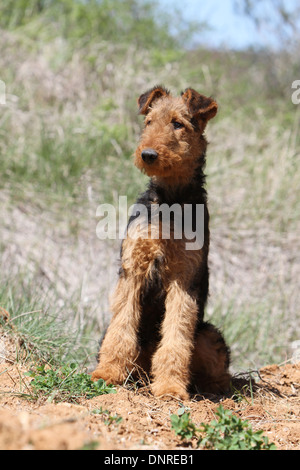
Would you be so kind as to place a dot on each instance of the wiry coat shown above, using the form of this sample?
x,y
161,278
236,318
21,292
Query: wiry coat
x,y
158,306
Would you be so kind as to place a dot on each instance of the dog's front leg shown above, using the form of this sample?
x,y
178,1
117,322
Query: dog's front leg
x,y
171,362
119,349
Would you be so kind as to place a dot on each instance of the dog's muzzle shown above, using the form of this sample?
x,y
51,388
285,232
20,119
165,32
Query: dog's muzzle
x,y
149,155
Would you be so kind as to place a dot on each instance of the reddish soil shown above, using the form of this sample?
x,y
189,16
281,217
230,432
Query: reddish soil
x,y
273,406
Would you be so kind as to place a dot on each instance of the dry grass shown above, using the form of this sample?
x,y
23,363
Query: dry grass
x,y
67,133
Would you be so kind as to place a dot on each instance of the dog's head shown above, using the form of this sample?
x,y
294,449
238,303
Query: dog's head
x,y
172,142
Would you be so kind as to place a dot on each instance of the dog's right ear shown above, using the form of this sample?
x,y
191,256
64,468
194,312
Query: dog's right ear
x,y
146,99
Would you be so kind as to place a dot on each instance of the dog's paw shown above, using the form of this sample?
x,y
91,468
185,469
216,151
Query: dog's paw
x,y
111,375
169,390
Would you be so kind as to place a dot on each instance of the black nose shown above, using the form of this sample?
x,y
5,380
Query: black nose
x,y
149,155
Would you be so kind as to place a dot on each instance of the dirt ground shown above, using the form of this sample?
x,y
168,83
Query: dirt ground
x,y
273,406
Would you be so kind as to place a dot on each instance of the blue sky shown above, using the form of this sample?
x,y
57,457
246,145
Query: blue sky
x,y
228,28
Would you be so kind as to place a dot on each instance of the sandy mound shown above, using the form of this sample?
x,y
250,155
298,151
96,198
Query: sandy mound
x,y
273,405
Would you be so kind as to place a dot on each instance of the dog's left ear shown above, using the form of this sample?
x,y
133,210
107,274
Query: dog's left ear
x,y
199,106
146,99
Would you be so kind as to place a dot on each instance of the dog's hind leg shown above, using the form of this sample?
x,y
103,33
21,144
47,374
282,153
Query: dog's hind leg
x,y
210,361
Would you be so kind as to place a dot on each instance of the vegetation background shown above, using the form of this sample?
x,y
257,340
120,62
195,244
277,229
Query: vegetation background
x,y
73,71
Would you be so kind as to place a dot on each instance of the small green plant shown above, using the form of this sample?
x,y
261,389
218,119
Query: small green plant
x,y
92,445
183,425
231,433
108,417
66,383
227,433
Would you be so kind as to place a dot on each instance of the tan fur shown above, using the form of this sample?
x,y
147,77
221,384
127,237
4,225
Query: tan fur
x,y
209,366
176,165
182,356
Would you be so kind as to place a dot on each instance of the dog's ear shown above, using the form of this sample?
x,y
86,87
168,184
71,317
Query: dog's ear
x,y
198,105
146,99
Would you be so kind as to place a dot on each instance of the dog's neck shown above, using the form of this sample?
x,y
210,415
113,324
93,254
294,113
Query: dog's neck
x,y
170,191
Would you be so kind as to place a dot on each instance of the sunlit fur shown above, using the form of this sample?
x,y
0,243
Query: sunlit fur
x,y
157,328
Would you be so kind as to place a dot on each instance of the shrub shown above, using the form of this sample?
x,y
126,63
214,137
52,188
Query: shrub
x,y
227,433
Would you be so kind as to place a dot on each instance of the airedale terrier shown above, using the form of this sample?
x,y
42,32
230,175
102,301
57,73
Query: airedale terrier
x,y
158,306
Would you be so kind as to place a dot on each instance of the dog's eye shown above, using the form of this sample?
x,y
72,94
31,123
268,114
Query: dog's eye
x,y
177,125
147,123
